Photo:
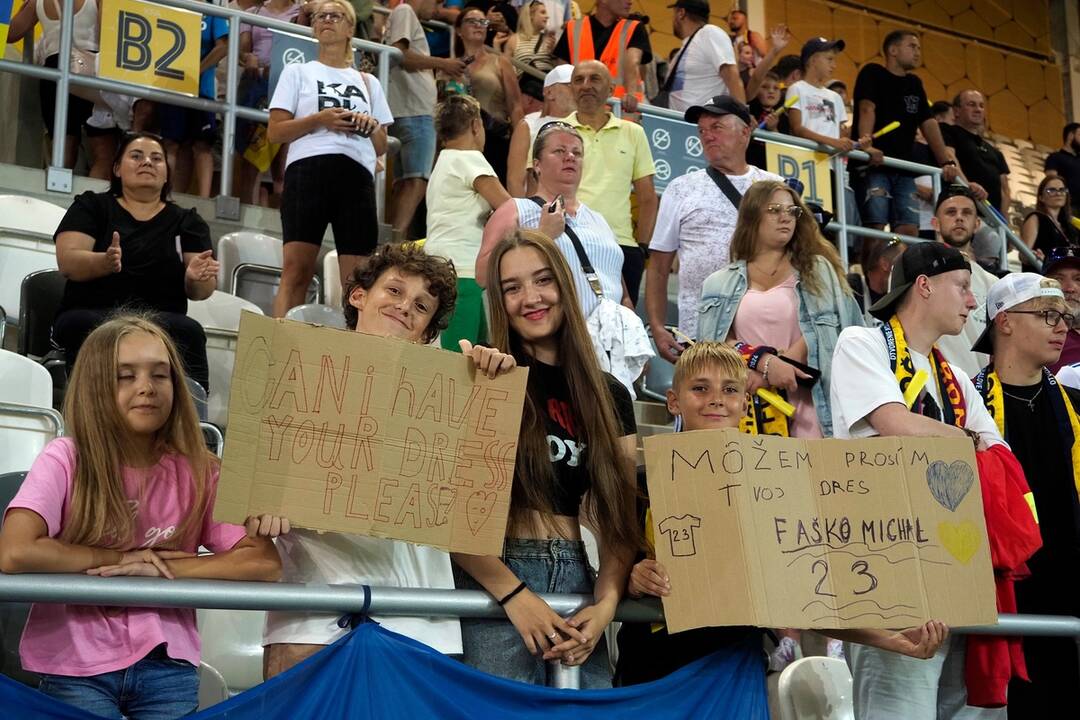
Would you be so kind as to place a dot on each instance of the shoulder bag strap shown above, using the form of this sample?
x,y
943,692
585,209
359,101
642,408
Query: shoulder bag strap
x,y
670,79
583,258
725,186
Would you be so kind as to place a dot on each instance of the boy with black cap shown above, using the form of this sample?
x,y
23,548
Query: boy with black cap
x,y
1027,320
896,382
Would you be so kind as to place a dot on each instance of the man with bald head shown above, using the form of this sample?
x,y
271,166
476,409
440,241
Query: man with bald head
x,y
980,162
617,161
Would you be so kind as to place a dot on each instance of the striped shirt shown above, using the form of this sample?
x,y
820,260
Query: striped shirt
x,y
600,246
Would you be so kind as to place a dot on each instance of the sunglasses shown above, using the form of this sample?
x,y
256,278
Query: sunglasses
x,y
792,211
479,22
329,17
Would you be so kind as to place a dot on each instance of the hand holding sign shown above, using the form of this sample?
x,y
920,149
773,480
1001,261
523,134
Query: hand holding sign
x,y
488,361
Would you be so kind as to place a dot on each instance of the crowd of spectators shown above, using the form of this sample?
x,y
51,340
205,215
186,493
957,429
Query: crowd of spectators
x,y
541,218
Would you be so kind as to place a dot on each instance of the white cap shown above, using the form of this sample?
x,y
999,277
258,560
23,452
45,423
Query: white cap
x,y
1007,293
558,75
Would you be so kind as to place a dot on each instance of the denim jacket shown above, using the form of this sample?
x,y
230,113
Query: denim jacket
x,y
821,318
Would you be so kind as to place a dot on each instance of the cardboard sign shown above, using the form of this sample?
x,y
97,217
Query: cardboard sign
x,y
342,431
151,45
778,532
808,167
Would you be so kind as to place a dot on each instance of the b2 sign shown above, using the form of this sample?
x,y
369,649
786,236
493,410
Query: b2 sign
x,y
780,532
151,45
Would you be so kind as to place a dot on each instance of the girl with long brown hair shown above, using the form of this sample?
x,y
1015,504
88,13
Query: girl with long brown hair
x,y
575,460
129,491
786,295
1050,224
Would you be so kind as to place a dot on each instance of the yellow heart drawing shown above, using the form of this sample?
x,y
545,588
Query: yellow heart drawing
x,y
960,539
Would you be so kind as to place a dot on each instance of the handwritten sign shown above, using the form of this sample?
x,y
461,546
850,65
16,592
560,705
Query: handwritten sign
x,y
342,431
778,532
808,167
151,45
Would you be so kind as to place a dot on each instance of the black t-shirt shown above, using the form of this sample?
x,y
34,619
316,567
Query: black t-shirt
x,y
562,421
1067,166
895,97
152,263
1037,441
1049,236
981,162
600,35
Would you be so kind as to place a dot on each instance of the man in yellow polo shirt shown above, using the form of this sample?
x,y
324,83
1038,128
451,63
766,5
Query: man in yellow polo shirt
x,y
617,160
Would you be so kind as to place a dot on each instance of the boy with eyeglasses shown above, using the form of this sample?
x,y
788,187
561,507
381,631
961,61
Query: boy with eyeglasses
x,y
1027,320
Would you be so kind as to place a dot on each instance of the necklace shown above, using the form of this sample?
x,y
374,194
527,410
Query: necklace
x,y
1030,401
775,269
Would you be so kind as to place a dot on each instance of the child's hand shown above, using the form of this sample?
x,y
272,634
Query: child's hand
x,y
488,361
649,578
270,526
771,121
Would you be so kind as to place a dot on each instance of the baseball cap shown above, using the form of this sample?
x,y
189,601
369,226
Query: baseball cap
x,y
1006,293
820,44
698,7
558,75
719,105
1060,256
956,190
926,258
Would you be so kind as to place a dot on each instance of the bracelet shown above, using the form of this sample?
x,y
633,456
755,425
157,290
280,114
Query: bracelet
x,y
510,595
948,163
765,371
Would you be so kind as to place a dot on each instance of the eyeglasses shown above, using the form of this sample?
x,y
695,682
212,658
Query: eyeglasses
x,y
1056,191
479,22
1051,317
329,17
792,211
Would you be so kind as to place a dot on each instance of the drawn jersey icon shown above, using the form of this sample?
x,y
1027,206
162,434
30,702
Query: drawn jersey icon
x,y
680,532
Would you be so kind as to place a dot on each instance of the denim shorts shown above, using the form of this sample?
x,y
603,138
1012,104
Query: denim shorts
x,y
154,688
417,136
545,566
889,199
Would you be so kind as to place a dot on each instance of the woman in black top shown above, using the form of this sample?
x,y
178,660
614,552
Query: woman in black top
x,y
1050,224
575,459
132,247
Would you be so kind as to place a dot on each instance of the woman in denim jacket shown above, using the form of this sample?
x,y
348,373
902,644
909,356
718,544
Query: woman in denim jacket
x,y
785,289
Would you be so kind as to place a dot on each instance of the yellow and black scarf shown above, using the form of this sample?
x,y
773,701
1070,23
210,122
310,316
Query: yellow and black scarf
x,y
989,386
954,410
762,418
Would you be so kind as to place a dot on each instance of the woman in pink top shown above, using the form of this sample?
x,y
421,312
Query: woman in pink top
x,y
130,491
783,298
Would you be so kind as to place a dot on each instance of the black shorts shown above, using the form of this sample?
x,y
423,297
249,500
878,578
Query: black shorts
x,y
332,189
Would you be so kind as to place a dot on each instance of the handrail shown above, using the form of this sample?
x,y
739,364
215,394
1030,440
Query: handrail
x,y
411,602
841,227
49,414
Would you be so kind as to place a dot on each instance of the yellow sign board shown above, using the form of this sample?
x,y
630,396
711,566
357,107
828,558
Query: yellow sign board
x,y
151,45
808,167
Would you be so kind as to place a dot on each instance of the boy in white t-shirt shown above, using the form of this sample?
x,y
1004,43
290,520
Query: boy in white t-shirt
x,y
930,297
820,115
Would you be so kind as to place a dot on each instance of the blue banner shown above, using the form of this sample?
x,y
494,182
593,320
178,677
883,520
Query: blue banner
x,y
375,674
676,148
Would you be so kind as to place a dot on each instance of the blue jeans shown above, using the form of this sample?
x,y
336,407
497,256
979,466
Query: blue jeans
x,y
417,136
155,688
545,566
889,199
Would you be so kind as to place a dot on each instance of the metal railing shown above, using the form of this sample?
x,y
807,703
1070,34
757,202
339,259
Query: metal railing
x,y
59,178
43,413
839,223
414,602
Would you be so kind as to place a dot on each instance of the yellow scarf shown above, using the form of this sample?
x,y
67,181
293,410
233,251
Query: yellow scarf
x,y
762,418
989,386
953,410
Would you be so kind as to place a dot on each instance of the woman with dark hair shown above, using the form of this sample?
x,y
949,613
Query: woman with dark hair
x,y
1049,225
783,297
575,463
132,247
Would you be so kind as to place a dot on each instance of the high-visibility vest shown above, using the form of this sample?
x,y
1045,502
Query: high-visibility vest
x,y
580,44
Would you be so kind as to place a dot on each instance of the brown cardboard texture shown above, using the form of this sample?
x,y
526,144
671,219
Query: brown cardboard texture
x,y
354,433
779,532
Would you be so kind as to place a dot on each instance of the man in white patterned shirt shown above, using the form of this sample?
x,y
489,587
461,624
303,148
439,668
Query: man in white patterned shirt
x,y
697,219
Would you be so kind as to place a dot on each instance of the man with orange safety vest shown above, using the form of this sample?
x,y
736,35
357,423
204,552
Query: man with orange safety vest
x,y
608,35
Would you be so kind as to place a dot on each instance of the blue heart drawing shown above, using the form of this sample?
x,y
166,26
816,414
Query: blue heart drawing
x,y
949,484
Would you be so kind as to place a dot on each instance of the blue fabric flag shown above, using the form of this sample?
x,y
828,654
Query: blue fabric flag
x,y
377,674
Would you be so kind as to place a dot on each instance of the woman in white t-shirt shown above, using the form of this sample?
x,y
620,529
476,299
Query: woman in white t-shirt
x,y
334,119
461,194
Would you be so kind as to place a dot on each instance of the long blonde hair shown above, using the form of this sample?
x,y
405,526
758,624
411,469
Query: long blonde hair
x,y
806,243
525,25
609,504
100,513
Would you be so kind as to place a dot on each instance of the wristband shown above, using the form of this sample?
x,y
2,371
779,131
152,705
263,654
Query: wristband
x,y
510,595
765,371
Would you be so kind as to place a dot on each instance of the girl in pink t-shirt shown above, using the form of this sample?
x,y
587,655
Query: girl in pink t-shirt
x,y
130,491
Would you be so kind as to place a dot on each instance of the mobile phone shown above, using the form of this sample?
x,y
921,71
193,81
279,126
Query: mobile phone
x,y
555,204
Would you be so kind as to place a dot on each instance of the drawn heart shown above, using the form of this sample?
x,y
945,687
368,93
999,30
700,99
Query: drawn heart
x,y
962,540
478,509
949,484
